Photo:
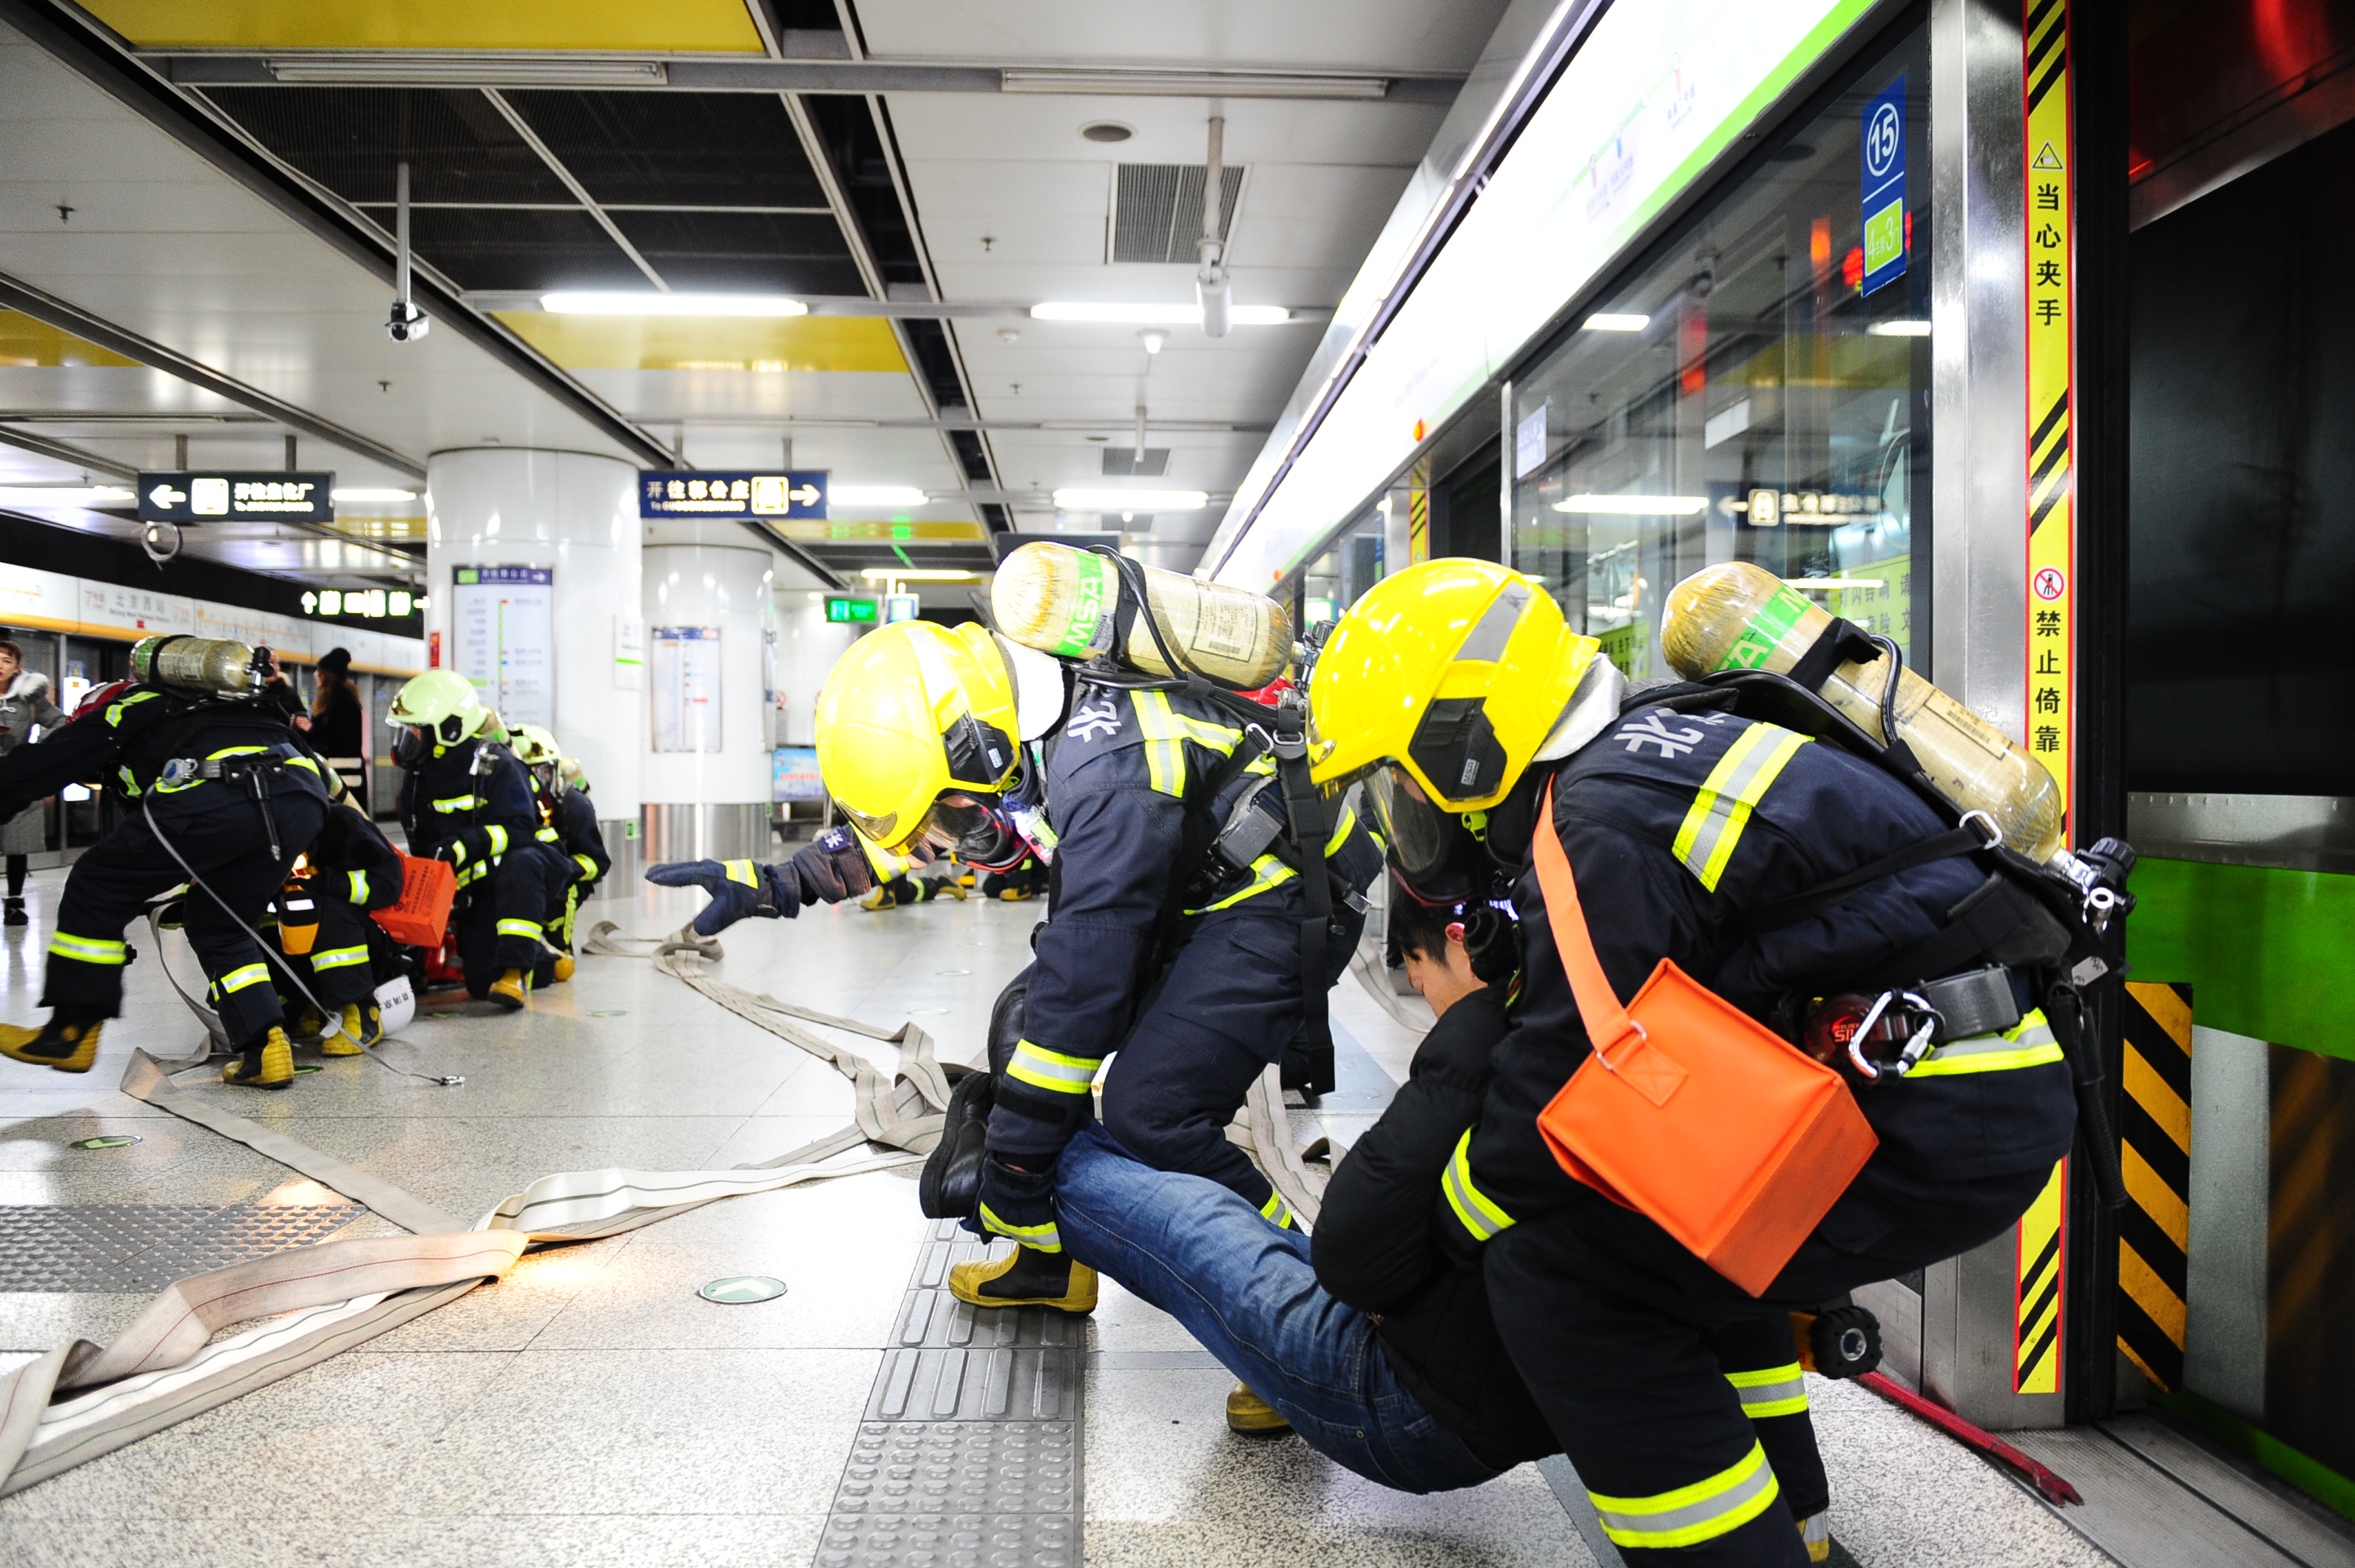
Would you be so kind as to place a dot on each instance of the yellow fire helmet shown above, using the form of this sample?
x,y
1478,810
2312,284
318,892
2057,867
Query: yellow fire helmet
x,y
914,710
442,702
532,745
1455,671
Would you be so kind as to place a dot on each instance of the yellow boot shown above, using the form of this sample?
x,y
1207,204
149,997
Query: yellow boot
x,y
1027,1277
508,990
269,1065
563,968
362,1028
69,1045
1249,1413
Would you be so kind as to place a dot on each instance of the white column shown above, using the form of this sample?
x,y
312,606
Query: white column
x,y
576,515
711,802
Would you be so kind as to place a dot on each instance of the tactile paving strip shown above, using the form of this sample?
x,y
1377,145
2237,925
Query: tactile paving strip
x,y
124,1247
969,1457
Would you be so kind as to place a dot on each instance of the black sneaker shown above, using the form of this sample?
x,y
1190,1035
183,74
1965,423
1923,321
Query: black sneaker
x,y
950,1186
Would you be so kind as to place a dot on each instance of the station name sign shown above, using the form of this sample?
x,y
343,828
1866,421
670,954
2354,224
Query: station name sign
x,y
264,497
665,493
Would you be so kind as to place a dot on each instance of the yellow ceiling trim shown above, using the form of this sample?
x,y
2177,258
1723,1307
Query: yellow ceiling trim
x,y
27,344
853,533
770,345
686,26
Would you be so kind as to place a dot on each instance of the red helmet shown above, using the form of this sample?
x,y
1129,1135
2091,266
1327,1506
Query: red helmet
x,y
101,695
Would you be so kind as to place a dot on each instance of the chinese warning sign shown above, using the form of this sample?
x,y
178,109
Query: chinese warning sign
x,y
2052,469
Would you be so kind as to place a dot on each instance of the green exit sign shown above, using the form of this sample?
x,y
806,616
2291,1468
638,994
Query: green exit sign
x,y
851,609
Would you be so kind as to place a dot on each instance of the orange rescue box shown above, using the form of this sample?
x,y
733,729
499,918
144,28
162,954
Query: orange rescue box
x,y
422,914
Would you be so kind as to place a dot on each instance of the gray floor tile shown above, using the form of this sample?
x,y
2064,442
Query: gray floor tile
x,y
835,1298
579,1541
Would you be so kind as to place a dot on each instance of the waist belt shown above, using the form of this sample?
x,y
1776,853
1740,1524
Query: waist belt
x,y
1891,1032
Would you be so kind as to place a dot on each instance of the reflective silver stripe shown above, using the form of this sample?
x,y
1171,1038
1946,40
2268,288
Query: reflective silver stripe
x,y
498,838
88,949
1039,1238
339,958
458,802
1702,1511
518,928
359,888
1771,1391
1275,1211
1712,828
1051,1070
740,871
1480,1216
237,979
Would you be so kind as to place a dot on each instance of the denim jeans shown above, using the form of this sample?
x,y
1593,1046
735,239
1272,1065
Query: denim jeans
x,y
1245,1290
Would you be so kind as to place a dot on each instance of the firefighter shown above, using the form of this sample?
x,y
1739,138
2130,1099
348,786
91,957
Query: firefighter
x,y
466,800
353,870
562,792
218,788
1456,691
1193,967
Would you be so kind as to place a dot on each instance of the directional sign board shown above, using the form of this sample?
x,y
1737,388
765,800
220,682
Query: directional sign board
x,y
663,493
262,497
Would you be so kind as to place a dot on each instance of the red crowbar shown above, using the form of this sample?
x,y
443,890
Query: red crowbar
x,y
2049,1487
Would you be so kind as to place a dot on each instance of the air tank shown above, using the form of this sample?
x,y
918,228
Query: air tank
x,y
1065,601
1740,617
194,664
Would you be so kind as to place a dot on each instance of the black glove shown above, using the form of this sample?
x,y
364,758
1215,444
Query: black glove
x,y
1019,1204
738,888
832,868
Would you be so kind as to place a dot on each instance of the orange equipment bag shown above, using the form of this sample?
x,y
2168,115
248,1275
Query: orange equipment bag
x,y
428,888
1692,1113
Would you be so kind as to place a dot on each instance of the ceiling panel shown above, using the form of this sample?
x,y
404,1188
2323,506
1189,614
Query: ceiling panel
x,y
748,252
766,344
521,248
458,145
718,149
675,24
1333,35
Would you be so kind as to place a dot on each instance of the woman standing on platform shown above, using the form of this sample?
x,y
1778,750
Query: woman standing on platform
x,y
25,703
336,717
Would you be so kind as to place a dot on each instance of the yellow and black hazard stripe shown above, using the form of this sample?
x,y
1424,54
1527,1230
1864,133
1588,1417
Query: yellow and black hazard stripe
x,y
2037,1301
2154,1230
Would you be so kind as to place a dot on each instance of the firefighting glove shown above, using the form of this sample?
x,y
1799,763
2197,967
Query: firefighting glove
x,y
738,888
833,866
1019,1204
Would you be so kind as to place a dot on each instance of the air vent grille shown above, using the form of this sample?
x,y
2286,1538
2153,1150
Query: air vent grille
x,y
1157,210
1122,460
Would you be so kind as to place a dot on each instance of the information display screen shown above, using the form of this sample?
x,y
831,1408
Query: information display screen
x,y
685,669
503,625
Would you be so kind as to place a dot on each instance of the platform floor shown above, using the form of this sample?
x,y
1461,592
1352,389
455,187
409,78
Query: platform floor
x,y
591,1409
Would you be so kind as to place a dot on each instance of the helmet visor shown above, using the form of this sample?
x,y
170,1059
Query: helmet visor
x,y
1430,851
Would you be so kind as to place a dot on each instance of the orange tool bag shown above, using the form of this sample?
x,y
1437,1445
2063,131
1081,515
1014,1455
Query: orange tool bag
x,y
1692,1113
422,914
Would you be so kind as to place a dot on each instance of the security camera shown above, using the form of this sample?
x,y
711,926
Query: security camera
x,y
408,323
160,540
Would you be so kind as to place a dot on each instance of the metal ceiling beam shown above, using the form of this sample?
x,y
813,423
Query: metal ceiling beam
x,y
41,446
464,69
1116,424
47,308
896,310
531,139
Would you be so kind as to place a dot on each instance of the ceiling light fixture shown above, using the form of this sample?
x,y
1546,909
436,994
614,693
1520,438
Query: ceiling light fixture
x,y
1634,506
1131,501
875,495
1191,83
646,303
445,69
1154,314
917,574
1899,329
1606,322
63,494
367,494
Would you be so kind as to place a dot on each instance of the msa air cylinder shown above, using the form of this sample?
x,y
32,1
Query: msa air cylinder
x,y
1740,617
1066,602
194,664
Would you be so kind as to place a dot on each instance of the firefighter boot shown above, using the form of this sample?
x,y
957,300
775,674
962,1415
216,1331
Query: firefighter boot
x,y
1026,1278
1252,1415
361,1028
267,1062
950,1186
563,969
508,989
68,1042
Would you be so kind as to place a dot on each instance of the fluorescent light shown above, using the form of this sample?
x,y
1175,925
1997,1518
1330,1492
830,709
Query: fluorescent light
x,y
1607,322
640,302
1116,82
915,574
1636,506
369,494
1131,501
64,494
1189,314
875,495
1814,582
437,69
1899,329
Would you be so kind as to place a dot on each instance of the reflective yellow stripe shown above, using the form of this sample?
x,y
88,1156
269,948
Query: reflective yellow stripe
x,y
1051,1070
237,979
303,763
1165,743
518,928
1721,810
2028,1043
588,867
498,838
115,710
1267,871
1479,1214
1702,1511
1275,1211
1771,1391
130,780
457,853
738,872
458,802
545,836
339,958
1039,1238
88,949
359,888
